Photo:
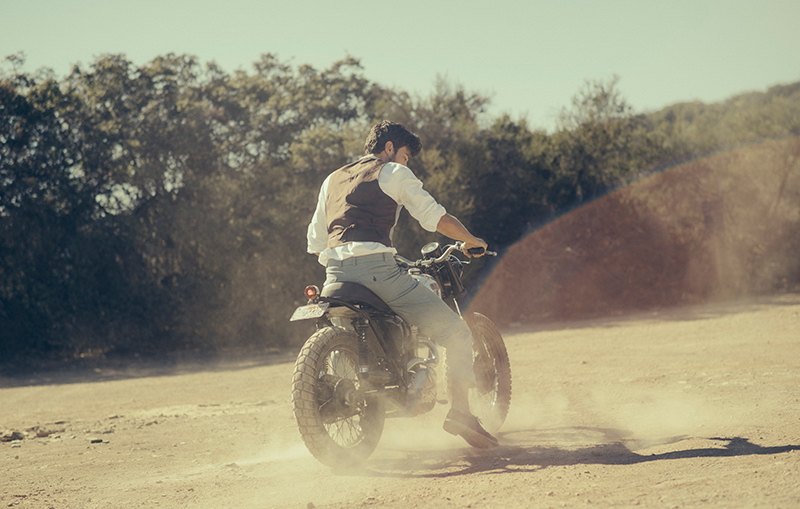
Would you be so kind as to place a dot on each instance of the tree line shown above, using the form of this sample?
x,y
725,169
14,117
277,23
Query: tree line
x,y
162,207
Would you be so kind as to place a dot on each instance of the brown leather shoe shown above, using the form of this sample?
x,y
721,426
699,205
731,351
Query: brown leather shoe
x,y
469,428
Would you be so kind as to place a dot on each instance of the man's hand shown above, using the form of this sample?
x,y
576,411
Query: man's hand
x,y
473,243
451,227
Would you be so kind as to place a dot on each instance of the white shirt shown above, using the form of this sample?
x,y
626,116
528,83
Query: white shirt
x,y
400,184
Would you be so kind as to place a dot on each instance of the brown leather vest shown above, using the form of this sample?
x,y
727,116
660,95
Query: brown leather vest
x,y
356,207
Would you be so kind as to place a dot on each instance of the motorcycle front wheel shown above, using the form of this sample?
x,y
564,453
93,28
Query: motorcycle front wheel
x,y
339,423
490,399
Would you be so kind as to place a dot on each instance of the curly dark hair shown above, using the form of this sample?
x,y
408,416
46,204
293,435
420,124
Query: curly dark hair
x,y
394,132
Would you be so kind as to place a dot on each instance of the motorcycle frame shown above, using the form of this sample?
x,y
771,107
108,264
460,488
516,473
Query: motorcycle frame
x,y
382,341
380,368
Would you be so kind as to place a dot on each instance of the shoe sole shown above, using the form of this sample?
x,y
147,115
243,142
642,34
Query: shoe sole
x,y
472,437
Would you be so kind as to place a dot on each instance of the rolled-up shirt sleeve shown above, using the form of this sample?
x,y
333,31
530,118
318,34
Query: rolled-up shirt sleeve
x,y
317,235
401,185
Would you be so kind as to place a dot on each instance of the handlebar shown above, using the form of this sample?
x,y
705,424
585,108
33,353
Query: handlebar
x,y
447,251
458,246
480,251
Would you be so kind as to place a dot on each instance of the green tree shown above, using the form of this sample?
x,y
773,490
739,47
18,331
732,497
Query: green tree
x,y
61,287
601,144
164,206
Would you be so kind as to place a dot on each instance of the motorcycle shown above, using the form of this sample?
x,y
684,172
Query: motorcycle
x,y
364,363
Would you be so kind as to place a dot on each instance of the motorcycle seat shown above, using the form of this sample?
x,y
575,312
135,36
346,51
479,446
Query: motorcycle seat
x,y
355,293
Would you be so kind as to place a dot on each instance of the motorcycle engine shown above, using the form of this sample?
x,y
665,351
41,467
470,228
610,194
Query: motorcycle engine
x,y
421,394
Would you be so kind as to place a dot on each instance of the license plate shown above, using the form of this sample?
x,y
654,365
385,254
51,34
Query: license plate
x,y
309,311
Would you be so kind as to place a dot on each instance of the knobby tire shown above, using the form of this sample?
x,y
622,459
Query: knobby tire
x,y
491,398
329,356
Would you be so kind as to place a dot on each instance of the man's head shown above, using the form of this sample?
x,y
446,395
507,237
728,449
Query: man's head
x,y
397,137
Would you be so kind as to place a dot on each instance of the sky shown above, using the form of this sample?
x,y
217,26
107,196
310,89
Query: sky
x,y
529,56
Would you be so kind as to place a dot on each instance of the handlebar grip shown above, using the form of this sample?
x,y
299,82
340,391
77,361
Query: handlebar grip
x,y
480,250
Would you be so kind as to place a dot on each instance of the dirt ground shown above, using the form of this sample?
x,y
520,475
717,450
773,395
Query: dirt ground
x,y
690,407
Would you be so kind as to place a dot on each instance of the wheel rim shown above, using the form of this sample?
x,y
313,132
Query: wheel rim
x,y
344,427
483,397
490,397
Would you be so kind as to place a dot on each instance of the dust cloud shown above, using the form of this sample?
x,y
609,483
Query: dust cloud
x,y
712,230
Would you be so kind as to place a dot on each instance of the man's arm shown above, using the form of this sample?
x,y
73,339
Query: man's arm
x,y
401,185
317,233
451,227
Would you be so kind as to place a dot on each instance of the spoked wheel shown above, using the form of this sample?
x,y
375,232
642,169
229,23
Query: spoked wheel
x,y
339,423
490,398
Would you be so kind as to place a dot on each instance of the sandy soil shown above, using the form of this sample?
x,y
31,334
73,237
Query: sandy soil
x,y
695,407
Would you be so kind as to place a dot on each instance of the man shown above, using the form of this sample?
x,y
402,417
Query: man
x,y
350,232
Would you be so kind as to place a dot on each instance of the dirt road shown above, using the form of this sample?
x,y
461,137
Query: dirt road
x,y
696,407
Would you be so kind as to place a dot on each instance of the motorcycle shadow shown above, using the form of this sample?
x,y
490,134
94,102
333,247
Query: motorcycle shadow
x,y
516,453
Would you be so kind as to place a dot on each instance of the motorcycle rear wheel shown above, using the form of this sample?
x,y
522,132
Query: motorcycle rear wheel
x,y
490,399
340,425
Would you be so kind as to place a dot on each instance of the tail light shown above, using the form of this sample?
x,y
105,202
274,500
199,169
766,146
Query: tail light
x,y
312,292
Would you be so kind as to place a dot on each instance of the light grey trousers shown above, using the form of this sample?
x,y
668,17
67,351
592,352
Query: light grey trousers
x,y
414,303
